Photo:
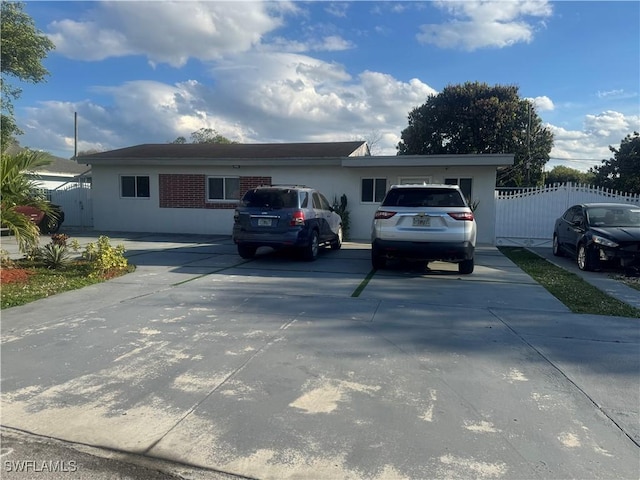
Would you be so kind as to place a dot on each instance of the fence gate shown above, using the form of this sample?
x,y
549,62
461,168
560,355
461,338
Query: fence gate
x,y
75,200
526,216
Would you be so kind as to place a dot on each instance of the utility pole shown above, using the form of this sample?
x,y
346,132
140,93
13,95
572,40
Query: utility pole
x,y
75,136
528,144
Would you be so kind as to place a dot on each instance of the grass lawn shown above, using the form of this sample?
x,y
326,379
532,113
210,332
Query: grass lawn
x,y
27,280
578,295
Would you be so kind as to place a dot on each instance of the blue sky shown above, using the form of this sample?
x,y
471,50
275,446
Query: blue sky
x,y
148,72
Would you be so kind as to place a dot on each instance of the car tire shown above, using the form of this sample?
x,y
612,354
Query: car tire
x,y
310,252
465,267
43,226
378,261
557,251
586,259
53,225
246,251
49,225
337,243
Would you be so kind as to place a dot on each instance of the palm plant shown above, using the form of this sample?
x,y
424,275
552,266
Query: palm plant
x,y
17,187
54,256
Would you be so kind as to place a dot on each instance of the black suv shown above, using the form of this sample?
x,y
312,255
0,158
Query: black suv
x,y
285,216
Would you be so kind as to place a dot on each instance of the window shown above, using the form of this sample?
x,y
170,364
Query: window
x,y
320,202
132,186
223,188
423,197
465,186
574,214
373,190
414,180
270,198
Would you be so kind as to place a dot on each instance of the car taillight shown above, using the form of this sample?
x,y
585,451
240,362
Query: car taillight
x,y
297,218
462,216
383,215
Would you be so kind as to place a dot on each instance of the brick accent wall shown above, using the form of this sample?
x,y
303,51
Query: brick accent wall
x,y
183,190
247,183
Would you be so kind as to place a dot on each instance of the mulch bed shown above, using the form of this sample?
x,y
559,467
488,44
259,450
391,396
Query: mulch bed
x,y
14,275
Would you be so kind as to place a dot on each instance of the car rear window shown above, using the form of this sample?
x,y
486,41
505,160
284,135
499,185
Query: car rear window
x,y
423,197
266,198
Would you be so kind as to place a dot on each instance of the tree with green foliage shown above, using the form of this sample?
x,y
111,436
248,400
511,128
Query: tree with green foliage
x,y
475,118
205,135
18,188
22,50
562,174
622,172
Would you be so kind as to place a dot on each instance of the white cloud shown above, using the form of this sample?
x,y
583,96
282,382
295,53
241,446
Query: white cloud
x,y
337,9
611,124
335,43
294,98
480,24
582,149
168,32
611,93
542,104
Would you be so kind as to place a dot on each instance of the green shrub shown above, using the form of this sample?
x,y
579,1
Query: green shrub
x,y
340,207
105,258
5,259
54,256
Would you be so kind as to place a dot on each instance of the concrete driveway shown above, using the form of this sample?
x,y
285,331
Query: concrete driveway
x,y
275,368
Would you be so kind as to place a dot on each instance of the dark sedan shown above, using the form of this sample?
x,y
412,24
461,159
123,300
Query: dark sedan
x,y
599,233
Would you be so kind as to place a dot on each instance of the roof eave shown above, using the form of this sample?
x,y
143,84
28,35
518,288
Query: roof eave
x,y
222,162
483,160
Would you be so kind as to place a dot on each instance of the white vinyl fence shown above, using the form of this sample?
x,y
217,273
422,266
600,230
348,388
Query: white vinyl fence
x,y
76,203
526,216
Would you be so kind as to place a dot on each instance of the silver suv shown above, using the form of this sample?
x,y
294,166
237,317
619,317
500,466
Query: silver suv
x,y
425,222
286,216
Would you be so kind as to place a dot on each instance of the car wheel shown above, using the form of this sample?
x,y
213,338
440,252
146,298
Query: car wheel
x,y
246,251
586,260
465,267
337,243
556,246
310,252
53,225
378,261
49,225
43,226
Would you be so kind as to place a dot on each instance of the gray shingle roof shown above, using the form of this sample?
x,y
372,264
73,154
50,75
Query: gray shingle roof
x,y
230,151
62,165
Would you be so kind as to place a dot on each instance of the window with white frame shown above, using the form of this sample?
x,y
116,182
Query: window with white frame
x,y
414,180
372,190
223,189
465,185
134,186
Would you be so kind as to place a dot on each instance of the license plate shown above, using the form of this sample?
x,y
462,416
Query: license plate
x,y
421,221
264,222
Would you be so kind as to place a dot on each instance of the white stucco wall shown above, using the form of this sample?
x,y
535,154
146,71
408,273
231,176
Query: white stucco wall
x,y
113,213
